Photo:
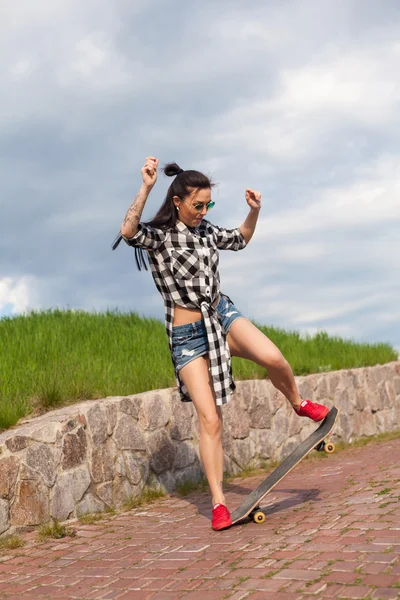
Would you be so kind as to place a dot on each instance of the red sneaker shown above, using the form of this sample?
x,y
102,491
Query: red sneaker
x,y
221,517
314,411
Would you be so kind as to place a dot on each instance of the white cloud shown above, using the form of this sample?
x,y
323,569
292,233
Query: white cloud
x,y
18,295
344,84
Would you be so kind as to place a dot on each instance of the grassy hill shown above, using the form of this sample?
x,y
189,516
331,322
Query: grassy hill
x,y
54,357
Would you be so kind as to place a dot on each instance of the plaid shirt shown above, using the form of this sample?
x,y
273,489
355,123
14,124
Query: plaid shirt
x,y
184,265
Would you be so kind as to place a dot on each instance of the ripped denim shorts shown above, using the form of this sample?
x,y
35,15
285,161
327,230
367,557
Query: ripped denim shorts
x,y
190,341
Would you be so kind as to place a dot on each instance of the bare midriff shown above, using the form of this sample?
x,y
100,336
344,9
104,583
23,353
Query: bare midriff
x,y
183,316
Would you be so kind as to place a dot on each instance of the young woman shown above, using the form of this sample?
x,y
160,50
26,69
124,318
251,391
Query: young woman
x,y
203,325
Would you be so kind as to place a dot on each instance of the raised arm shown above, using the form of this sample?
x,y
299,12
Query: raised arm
x,y
132,218
247,229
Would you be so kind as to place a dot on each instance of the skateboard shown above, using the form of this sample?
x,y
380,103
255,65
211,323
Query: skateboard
x,y
250,507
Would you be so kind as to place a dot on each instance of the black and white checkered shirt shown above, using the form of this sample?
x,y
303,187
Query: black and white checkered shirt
x,y
184,265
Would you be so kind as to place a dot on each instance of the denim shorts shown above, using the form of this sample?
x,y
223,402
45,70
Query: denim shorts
x,y
190,341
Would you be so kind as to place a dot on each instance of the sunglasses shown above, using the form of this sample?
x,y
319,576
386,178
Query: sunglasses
x,y
199,206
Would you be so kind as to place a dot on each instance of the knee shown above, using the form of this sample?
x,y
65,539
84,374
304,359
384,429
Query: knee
x,y
211,424
276,361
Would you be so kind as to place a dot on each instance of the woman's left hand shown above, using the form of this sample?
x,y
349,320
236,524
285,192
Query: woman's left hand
x,y
253,198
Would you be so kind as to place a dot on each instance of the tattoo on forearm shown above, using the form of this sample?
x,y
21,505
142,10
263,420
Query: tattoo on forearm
x,y
134,213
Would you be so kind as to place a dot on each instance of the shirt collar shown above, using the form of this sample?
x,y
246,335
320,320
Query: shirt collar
x,y
182,227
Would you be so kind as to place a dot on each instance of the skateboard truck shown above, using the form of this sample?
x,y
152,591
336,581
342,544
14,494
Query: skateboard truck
x,y
327,447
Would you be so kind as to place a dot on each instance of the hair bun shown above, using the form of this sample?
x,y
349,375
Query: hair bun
x,y
172,169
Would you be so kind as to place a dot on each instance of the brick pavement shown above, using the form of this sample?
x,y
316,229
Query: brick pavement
x,y
332,531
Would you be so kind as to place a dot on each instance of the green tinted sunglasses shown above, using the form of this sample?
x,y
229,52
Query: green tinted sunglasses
x,y
199,207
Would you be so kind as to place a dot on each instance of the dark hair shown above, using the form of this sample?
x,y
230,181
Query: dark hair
x,y
166,216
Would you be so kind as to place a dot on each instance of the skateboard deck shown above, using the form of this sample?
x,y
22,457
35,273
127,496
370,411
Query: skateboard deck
x,y
250,506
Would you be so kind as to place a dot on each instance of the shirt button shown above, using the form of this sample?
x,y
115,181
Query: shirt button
x,y
207,291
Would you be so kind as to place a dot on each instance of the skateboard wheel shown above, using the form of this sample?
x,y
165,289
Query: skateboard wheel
x,y
329,448
259,517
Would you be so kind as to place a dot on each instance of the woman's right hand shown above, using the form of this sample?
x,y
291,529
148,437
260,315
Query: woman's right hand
x,y
149,171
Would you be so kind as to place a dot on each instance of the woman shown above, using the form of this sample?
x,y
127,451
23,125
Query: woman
x,y
204,327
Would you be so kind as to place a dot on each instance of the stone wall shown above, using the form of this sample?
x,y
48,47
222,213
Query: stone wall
x,y
87,456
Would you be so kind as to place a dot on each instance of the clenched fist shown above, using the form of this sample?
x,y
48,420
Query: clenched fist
x,y
149,171
253,198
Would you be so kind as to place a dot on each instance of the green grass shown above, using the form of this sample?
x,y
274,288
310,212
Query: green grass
x,y
11,542
50,358
55,530
147,496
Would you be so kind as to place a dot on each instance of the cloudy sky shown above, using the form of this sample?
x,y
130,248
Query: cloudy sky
x,y
299,99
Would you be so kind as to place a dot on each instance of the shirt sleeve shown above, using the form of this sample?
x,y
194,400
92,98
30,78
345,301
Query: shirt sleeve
x,y
228,239
146,237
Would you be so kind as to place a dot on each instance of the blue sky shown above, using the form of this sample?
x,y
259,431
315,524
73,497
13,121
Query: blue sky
x,y
298,99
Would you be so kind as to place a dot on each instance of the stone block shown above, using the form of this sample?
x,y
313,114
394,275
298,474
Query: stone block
x,y
185,455
120,468
31,504
227,439
230,466
263,443
259,413
68,490
128,434
296,424
112,415
333,380
74,446
8,475
49,433
105,492
154,413
345,427
97,423
386,394
4,516
180,425
236,421
343,400
17,443
137,467
364,423
193,474
321,391
386,420
243,452
42,459
162,451
131,406
280,426
167,481
245,392
122,491
89,505
101,464
306,388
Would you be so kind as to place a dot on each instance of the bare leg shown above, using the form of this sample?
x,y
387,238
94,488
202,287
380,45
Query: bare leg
x,y
283,379
196,377
247,341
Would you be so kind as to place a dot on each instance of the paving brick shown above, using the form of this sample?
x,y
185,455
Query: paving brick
x,y
342,577
269,585
386,594
380,580
356,592
297,574
136,595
